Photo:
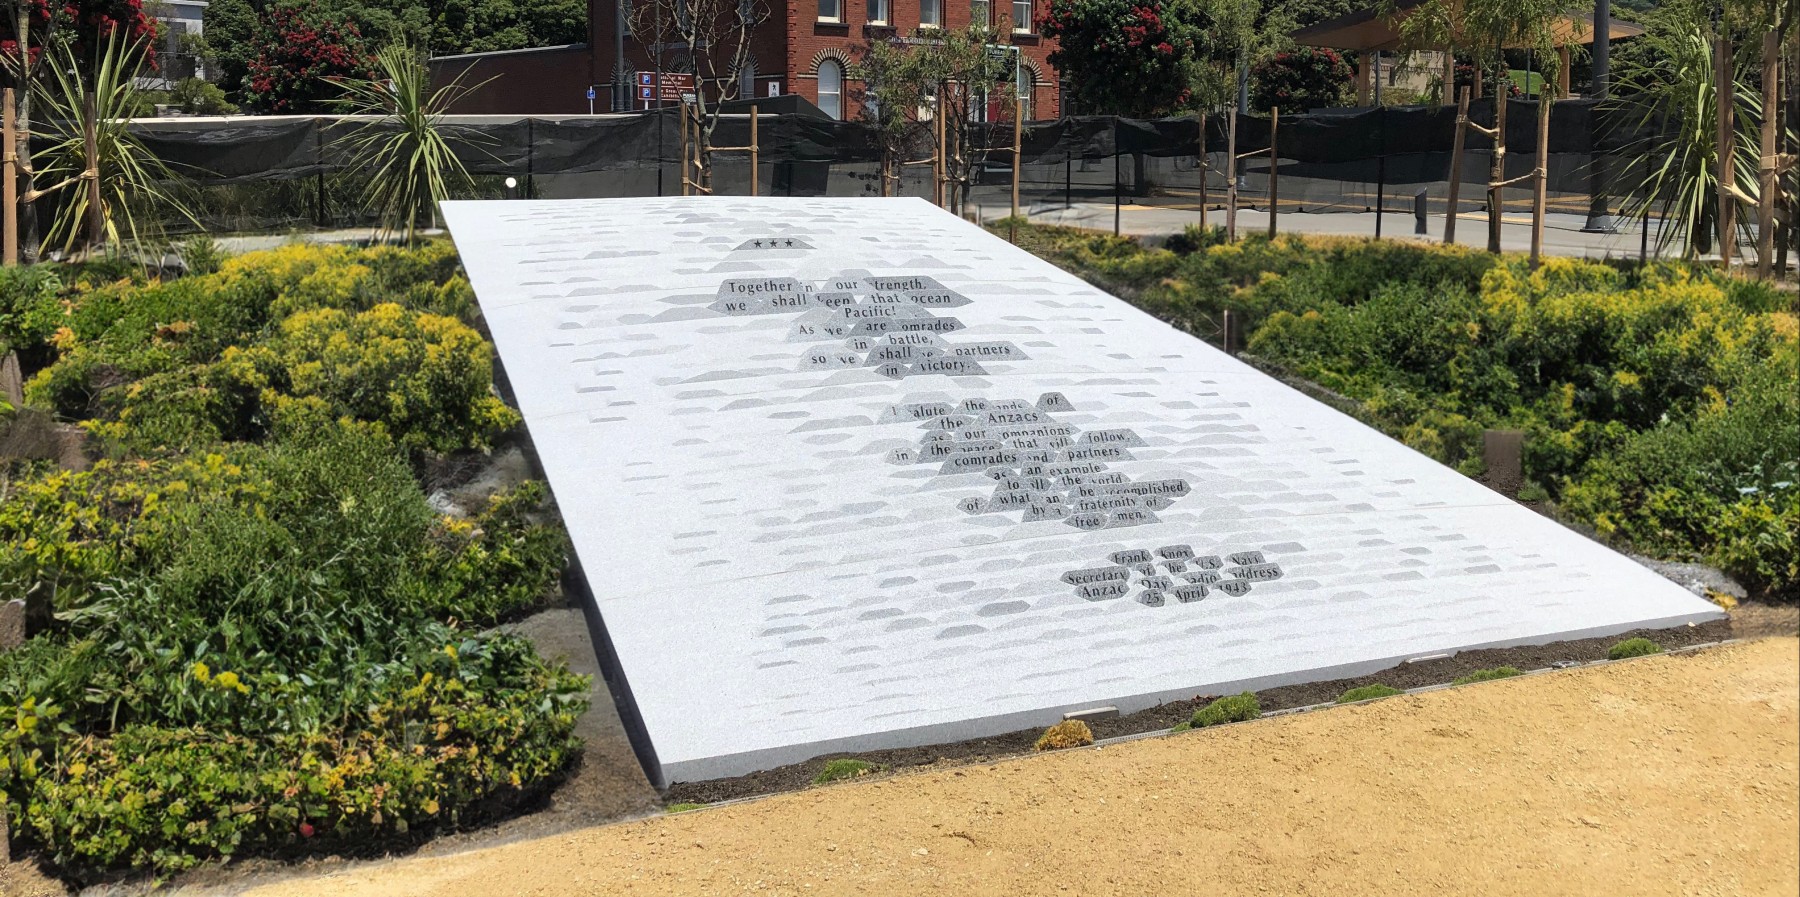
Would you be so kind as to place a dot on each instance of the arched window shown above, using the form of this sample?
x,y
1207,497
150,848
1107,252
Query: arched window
x,y
1027,94
831,88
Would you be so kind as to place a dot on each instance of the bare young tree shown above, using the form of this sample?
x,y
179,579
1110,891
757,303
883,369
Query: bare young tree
x,y
959,74
711,40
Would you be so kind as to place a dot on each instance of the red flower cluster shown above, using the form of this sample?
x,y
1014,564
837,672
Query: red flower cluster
x,y
295,60
91,22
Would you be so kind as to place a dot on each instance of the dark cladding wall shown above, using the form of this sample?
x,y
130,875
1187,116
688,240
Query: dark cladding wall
x,y
550,81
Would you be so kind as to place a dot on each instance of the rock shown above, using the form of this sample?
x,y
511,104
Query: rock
x,y
1696,578
12,624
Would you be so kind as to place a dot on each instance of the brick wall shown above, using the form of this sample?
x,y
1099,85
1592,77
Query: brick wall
x,y
788,50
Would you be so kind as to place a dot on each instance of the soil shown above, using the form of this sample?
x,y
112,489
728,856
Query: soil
x,y
1677,774
1164,716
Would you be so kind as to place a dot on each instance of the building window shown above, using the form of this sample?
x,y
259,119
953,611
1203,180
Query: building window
x,y
878,12
978,14
831,10
831,88
931,13
1027,93
1022,16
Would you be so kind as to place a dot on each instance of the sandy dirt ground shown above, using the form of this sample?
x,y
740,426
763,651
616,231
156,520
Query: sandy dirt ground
x,y
1667,775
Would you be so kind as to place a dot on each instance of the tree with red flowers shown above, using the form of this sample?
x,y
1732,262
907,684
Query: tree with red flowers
x,y
1299,80
1145,58
295,64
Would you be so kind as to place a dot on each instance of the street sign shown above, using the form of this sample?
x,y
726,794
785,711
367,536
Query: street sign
x,y
591,94
673,84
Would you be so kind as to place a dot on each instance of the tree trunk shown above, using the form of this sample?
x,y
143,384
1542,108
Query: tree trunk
x,y
1722,71
1497,167
28,223
1765,199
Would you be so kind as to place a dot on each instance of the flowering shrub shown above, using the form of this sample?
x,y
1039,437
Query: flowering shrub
x,y
1124,57
1661,404
262,638
1300,80
271,340
292,62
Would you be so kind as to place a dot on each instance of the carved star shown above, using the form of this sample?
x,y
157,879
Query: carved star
x,y
790,242
757,244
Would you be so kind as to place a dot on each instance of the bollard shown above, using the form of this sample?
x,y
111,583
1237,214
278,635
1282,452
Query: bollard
x,y
1419,212
1504,453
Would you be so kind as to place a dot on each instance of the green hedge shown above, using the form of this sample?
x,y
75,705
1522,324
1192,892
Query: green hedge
x,y
1661,403
266,640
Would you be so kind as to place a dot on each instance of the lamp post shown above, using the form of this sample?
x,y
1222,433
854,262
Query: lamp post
x,y
1599,220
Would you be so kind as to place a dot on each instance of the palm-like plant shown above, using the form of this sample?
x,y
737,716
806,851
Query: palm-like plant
x,y
1677,99
404,150
132,179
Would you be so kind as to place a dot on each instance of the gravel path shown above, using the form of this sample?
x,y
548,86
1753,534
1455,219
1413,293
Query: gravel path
x,y
1667,775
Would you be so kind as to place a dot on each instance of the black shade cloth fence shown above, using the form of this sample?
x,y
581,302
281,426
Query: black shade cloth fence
x,y
241,150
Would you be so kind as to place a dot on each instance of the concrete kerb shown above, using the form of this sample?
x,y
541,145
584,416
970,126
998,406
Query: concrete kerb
x,y
1291,711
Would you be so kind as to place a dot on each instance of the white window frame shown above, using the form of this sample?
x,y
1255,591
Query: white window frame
x,y
880,11
837,68
837,10
1021,26
936,17
981,13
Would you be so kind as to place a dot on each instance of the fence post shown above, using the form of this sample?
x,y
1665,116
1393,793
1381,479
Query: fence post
x,y
754,156
1380,167
1117,199
531,158
90,144
11,163
1231,190
1274,170
319,176
1205,165
1456,155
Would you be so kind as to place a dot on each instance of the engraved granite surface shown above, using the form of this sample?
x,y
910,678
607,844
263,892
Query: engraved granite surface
x,y
853,473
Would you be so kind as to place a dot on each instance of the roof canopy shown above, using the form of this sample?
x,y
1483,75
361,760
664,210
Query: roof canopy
x,y
1374,28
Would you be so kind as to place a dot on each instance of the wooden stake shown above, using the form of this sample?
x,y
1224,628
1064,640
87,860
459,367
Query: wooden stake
x,y
1205,166
1727,148
1363,79
1231,191
1456,154
1274,170
90,144
937,164
1768,166
11,177
753,152
1541,186
1564,78
1018,148
685,188
1497,170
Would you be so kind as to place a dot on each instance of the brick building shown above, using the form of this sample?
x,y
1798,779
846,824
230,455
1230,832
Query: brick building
x,y
807,47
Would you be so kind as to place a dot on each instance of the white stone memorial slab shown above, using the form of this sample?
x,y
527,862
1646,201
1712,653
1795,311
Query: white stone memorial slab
x,y
846,474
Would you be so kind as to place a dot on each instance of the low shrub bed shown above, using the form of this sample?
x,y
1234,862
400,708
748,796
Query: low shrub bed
x,y
254,634
1661,404
1367,692
1633,647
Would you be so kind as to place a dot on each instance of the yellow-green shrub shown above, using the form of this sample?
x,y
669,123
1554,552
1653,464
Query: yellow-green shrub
x,y
1066,734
